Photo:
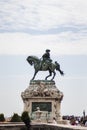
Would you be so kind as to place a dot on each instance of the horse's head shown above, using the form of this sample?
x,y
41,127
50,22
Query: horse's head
x,y
29,59
32,59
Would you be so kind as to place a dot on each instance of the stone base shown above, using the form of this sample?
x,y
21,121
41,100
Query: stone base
x,y
46,96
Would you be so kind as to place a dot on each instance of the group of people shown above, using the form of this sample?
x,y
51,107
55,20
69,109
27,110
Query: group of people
x,y
81,121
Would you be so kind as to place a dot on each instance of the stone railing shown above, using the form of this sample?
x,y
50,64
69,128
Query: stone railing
x,y
40,126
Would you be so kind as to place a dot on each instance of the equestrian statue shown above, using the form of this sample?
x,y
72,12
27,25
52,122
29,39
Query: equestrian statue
x,y
44,64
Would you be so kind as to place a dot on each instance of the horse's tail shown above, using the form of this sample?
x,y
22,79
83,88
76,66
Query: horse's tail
x,y
61,72
58,68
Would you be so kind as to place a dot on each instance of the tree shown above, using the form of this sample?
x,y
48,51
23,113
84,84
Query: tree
x,y
16,118
26,119
2,118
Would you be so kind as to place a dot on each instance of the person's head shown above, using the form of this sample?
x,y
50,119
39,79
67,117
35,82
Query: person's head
x,y
47,50
54,118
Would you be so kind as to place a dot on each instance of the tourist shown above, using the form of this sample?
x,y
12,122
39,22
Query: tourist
x,y
86,123
54,121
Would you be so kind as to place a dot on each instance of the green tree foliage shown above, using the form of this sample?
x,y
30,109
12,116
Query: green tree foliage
x,y
26,119
2,118
16,118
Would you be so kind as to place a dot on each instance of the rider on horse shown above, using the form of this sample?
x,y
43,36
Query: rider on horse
x,y
46,58
44,65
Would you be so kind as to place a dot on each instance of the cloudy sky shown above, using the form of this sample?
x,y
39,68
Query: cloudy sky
x,y
29,27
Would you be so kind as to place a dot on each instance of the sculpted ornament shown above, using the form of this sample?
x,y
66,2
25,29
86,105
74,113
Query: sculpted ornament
x,y
42,90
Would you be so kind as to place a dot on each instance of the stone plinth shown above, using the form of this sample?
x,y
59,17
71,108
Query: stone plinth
x,y
46,96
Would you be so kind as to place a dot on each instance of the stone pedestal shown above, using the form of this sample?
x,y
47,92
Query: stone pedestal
x,y
46,96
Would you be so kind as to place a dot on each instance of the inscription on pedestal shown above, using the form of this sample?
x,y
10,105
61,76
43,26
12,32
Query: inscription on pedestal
x,y
44,106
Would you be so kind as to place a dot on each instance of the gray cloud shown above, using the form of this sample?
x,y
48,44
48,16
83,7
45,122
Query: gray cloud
x,y
17,15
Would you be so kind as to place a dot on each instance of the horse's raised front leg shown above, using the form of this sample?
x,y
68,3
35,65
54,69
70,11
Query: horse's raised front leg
x,y
34,75
50,73
54,73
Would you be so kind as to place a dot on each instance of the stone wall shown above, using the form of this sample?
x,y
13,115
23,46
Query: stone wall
x,y
11,126
40,127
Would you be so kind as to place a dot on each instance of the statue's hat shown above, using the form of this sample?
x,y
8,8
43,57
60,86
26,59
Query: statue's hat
x,y
47,50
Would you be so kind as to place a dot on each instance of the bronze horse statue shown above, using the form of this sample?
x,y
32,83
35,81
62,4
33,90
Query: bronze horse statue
x,y
40,66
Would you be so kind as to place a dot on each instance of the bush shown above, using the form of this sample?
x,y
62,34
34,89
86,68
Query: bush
x,y
2,118
16,118
26,119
